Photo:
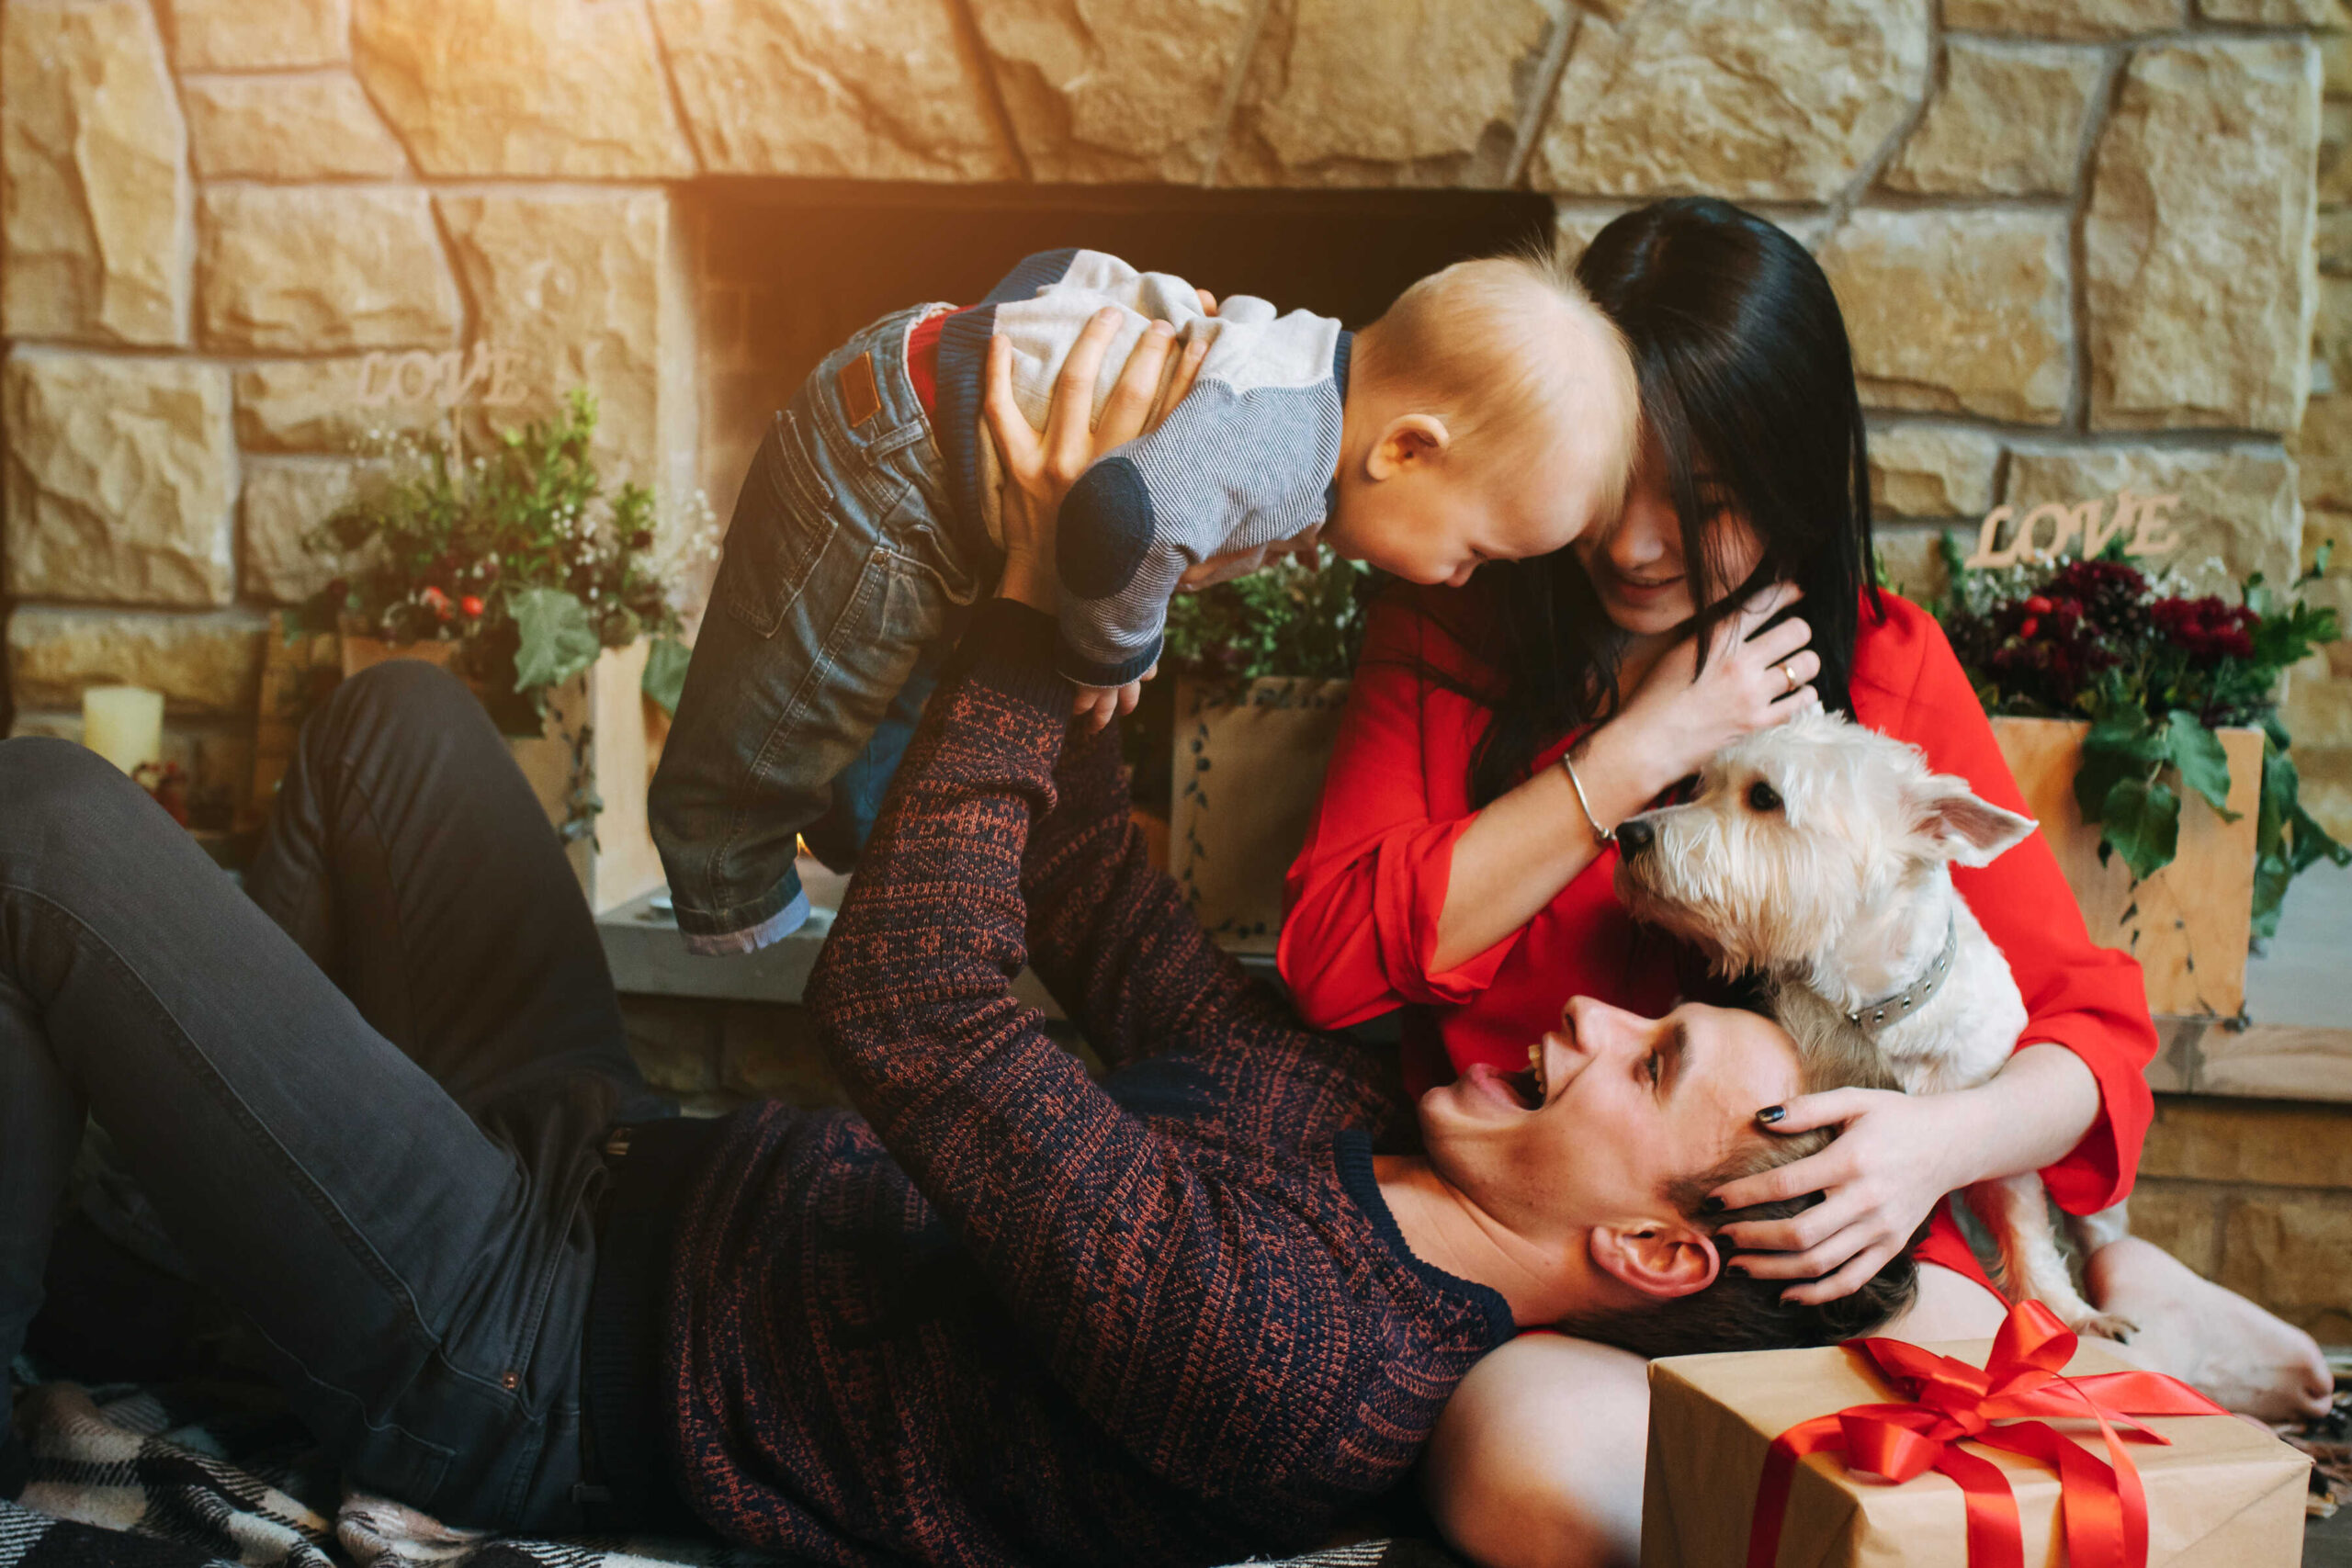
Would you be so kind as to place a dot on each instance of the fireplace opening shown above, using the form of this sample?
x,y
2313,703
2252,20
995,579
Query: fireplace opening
x,y
785,271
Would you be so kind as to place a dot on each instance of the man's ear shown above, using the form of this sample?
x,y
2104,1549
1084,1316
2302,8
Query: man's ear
x,y
1659,1258
1963,829
1409,440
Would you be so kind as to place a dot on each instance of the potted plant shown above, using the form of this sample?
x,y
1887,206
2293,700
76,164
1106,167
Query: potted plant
x,y
516,570
1262,667
2142,723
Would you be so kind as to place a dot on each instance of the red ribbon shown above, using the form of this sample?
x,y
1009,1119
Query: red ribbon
x,y
1947,1402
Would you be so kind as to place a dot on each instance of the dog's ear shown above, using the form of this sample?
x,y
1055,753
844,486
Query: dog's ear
x,y
1962,828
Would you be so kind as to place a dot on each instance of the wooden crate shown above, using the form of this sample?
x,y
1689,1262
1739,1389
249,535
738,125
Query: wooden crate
x,y
2190,923
1249,768
602,734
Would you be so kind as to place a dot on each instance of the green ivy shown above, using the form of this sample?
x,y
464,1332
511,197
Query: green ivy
x,y
519,552
1289,619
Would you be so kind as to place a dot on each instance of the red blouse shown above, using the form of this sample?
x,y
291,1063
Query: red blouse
x,y
1365,891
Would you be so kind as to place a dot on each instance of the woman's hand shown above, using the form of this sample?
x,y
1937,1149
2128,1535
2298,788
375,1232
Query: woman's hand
x,y
1878,1183
1897,1156
1039,468
1680,715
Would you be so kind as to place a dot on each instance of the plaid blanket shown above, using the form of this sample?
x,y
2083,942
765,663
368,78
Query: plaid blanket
x,y
205,1476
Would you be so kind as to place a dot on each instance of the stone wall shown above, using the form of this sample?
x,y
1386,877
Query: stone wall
x,y
2074,238
2259,1198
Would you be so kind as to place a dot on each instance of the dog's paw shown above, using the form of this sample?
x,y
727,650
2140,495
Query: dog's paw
x,y
2104,1325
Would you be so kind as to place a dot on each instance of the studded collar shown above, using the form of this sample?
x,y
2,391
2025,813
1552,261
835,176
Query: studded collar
x,y
1876,1015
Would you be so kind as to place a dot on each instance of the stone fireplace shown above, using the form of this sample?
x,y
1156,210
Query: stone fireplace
x,y
783,271
2082,244
2077,240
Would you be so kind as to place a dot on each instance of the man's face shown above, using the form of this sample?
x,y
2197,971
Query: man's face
x,y
1621,1106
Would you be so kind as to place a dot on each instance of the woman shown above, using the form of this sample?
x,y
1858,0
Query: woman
x,y
1456,868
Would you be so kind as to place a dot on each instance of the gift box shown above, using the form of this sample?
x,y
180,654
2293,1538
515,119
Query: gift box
x,y
2010,1447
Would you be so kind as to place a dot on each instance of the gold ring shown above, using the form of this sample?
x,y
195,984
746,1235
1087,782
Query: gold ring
x,y
1789,673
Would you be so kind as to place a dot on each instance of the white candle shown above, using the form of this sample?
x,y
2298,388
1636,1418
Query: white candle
x,y
124,725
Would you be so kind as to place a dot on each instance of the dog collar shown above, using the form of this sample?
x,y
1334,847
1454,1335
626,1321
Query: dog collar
x,y
1875,1015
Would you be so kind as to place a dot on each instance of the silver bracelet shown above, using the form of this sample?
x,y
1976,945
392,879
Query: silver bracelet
x,y
1602,837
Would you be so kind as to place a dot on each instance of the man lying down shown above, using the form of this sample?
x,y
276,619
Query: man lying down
x,y
1002,1314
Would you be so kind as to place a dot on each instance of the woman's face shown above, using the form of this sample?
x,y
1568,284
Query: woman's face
x,y
1637,564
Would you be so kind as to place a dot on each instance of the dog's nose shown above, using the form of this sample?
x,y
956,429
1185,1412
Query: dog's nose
x,y
1634,836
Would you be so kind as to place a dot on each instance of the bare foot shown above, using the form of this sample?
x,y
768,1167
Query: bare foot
x,y
2215,1340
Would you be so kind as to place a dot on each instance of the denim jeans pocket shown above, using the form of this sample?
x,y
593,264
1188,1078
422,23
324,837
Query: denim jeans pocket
x,y
782,522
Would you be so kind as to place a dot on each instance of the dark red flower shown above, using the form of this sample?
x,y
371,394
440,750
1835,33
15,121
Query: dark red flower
x,y
2206,628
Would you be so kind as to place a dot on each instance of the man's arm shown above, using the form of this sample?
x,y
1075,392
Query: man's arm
x,y
1109,935
1121,1262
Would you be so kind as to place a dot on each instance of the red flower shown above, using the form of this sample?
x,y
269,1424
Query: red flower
x,y
2206,628
2038,604
470,605
435,600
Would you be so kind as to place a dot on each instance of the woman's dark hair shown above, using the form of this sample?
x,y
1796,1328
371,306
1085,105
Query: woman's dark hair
x,y
1747,381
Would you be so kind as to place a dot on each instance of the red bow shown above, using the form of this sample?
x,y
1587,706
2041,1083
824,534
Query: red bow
x,y
1949,1401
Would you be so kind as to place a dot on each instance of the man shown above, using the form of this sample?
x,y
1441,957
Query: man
x,y
1006,1314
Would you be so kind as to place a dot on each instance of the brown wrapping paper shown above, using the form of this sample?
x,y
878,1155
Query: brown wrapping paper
x,y
2224,1494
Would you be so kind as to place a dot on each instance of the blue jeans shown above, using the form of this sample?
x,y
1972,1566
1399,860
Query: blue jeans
x,y
845,581
368,1096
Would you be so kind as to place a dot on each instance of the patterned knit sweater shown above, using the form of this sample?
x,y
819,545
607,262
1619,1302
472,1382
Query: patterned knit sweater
x,y
1010,1316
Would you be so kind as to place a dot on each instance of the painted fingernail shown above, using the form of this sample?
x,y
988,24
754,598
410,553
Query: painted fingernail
x,y
1771,1113
1710,1206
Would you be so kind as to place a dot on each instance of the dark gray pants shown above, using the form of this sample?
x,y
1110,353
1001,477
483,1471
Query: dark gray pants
x,y
367,1100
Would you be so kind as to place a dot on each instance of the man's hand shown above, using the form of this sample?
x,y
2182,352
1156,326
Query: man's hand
x,y
1039,468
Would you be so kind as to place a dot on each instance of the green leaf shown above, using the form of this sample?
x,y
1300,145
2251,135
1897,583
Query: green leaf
x,y
559,641
2204,766
2119,746
2143,825
2313,844
2279,788
665,672
2271,874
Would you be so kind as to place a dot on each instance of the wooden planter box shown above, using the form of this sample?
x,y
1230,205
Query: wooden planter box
x,y
2188,924
603,735
1248,769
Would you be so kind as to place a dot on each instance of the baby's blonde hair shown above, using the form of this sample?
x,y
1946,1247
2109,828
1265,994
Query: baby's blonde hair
x,y
1467,336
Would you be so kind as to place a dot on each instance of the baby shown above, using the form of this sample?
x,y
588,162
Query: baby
x,y
1490,414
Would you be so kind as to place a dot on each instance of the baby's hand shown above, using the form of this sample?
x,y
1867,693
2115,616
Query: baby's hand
x,y
1100,705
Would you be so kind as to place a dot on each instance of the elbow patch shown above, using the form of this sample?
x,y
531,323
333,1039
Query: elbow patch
x,y
1105,530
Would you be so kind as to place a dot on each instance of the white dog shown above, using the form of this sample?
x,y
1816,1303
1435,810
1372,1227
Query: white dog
x,y
1819,854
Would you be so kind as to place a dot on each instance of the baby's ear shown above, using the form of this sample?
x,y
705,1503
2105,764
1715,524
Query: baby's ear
x,y
1962,828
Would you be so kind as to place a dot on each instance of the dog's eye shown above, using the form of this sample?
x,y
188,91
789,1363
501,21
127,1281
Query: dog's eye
x,y
1762,796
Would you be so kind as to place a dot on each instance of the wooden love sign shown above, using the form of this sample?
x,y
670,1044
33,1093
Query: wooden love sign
x,y
2138,519
447,379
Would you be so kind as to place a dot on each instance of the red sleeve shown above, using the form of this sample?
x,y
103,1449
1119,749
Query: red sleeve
x,y
2092,1001
1363,898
